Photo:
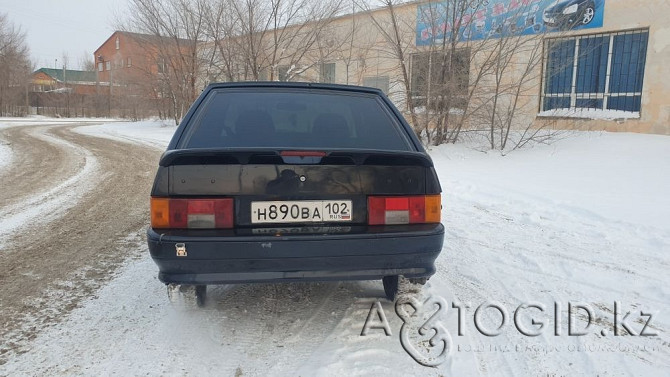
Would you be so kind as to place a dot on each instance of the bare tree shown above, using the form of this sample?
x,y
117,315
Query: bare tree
x,y
85,62
174,30
15,69
396,33
263,36
462,78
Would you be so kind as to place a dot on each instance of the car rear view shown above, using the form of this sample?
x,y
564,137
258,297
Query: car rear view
x,y
269,182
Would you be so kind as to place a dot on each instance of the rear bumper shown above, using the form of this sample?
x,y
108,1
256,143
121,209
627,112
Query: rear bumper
x,y
211,259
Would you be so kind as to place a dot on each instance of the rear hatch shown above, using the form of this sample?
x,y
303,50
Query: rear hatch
x,y
293,177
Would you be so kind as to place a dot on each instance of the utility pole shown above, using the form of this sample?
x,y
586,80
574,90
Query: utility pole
x,y
99,63
111,83
67,92
27,86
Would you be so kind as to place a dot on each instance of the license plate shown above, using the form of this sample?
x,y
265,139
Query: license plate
x,y
301,211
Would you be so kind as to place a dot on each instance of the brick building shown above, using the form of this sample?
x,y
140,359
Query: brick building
x,y
128,63
145,74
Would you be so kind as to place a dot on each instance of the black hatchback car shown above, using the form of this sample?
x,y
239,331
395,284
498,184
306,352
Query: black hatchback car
x,y
272,182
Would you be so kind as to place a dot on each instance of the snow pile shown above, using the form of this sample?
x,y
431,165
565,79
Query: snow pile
x,y
585,113
5,151
583,220
39,119
155,133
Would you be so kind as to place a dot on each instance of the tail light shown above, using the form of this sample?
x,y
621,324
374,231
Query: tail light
x,y
386,210
191,213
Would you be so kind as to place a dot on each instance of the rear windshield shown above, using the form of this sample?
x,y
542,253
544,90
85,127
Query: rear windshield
x,y
293,119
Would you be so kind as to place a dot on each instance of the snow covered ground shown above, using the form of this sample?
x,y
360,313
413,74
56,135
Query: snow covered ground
x,y
585,220
52,203
5,151
154,133
5,148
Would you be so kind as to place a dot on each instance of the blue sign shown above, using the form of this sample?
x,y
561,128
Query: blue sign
x,y
494,19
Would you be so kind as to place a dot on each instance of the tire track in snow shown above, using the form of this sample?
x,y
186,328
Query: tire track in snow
x,y
290,321
49,268
35,163
42,207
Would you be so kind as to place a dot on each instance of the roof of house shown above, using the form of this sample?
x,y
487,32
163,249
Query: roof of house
x,y
70,75
144,38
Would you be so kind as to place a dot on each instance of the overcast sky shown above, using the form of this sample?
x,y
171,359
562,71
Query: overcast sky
x,y
57,26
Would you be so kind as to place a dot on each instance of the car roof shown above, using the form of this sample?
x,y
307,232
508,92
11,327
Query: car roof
x,y
294,85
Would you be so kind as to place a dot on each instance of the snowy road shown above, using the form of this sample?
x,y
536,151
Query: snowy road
x,y
68,202
584,221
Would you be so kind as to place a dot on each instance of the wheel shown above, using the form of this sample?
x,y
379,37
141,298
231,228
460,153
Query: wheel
x,y
587,15
390,287
187,296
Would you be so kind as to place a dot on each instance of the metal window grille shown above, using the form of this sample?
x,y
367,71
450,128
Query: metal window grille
x,y
598,71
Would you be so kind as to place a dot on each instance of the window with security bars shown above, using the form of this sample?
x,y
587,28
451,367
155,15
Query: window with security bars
x,y
601,71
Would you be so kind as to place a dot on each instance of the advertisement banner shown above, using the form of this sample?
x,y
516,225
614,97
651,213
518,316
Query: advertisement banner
x,y
494,19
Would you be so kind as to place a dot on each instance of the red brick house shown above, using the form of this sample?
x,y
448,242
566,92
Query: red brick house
x,y
129,61
137,68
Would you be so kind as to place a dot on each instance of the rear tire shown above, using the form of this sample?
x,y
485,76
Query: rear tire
x,y
391,286
187,296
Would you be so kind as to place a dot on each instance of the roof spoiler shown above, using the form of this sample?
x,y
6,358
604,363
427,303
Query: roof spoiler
x,y
264,156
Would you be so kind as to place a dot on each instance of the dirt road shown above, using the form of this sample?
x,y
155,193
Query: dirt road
x,y
67,202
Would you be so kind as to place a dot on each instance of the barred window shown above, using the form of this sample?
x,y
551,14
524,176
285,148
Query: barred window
x,y
601,71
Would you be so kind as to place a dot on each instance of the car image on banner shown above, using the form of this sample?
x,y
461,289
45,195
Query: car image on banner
x,y
495,19
569,14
